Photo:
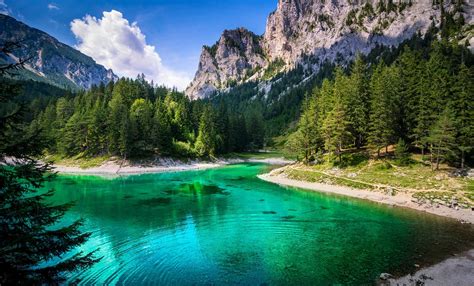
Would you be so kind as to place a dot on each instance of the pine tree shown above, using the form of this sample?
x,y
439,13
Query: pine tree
x,y
305,140
118,126
442,138
401,153
358,101
141,124
463,107
336,129
206,141
382,117
97,125
256,129
410,74
161,128
30,233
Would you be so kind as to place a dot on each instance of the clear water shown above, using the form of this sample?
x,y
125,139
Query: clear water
x,y
225,226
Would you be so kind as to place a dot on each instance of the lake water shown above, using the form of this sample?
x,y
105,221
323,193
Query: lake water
x,y
225,226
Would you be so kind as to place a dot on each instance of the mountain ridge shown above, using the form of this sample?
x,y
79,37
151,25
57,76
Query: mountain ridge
x,y
326,31
50,60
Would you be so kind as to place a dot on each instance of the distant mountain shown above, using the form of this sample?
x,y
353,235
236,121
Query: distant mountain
x,y
309,33
50,60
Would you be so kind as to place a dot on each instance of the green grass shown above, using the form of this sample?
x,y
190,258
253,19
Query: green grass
x,y
318,177
80,161
257,155
358,171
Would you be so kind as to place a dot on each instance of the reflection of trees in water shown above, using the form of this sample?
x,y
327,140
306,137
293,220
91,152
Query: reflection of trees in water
x,y
303,237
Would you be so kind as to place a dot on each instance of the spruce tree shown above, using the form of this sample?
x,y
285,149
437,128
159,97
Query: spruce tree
x,y
463,108
307,136
402,153
161,128
206,141
30,234
358,101
336,129
441,138
382,117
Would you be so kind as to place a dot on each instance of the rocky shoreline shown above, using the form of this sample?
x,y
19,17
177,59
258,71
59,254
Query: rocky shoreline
x,y
400,199
119,167
458,270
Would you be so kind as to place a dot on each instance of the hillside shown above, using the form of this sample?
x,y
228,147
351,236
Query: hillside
x,y
50,61
312,32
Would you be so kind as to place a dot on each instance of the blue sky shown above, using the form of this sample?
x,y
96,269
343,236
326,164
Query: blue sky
x,y
177,29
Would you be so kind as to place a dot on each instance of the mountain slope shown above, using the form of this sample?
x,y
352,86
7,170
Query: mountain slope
x,y
50,60
310,32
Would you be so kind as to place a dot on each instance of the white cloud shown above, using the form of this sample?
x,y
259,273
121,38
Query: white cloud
x,y
115,43
4,8
52,6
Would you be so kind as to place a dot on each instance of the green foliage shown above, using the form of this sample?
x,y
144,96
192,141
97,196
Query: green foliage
x,y
131,118
382,129
399,101
207,140
36,246
402,153
442,138
336,129
273,68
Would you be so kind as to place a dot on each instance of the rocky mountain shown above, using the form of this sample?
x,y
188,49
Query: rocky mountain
x,y
234,58
323,30
50,61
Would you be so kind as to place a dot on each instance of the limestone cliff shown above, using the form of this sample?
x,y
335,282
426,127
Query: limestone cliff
x,y
333,30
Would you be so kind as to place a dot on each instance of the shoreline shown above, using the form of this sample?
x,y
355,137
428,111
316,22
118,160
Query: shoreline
x,y
114,167
457,270
400,199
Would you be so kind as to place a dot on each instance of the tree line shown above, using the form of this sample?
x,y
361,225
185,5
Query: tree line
x,y
134,118
423,99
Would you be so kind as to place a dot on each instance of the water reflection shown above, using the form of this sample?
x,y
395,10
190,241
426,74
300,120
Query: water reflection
x,y
224,226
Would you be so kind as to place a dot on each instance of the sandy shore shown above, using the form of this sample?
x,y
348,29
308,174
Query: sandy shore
x,y
458,270
116,167
400,199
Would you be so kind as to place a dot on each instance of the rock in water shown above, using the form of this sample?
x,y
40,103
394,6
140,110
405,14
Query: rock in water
x,y
385,276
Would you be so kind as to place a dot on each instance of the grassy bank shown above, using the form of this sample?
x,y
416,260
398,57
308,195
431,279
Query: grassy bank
x,y
86,162
387,175
83,162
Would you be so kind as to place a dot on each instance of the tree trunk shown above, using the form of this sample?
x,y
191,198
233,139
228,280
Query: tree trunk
x,y
462,159
340,151
431,158
437,158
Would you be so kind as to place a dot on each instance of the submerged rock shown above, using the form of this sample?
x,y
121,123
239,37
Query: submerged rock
x,y
159,201
385,276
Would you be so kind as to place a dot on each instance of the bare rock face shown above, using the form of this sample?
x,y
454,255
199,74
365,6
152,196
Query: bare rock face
x,y
50,60
333,30
233,59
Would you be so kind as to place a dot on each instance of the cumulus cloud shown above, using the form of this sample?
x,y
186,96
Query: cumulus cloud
x,y
4,8
115,43
52,6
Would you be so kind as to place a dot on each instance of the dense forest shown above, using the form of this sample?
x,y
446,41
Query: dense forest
x,y
418,94
423,100
133,118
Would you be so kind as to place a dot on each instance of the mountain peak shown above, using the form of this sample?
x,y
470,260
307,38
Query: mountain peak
x,y
50,60
329,30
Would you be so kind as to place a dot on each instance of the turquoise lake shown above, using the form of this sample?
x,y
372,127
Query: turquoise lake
x,y
224,226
